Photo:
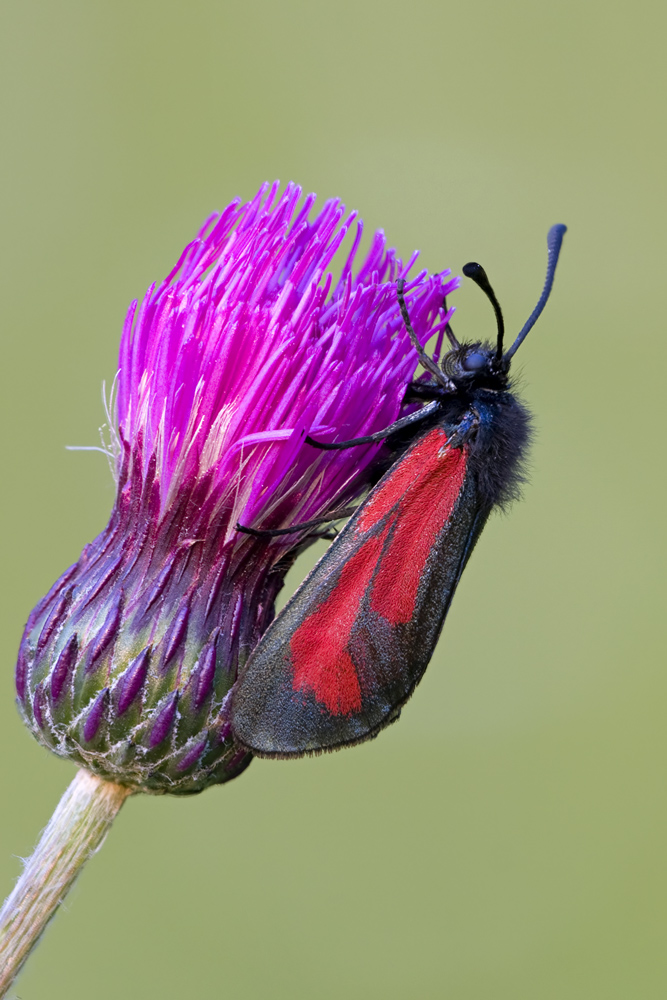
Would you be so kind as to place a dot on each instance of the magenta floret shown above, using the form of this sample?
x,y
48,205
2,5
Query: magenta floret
x,y
243,350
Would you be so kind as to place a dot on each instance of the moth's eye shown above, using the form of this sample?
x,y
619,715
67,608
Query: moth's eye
x,y
473,362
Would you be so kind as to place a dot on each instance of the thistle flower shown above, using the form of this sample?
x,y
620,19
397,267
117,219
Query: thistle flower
x,y
127,663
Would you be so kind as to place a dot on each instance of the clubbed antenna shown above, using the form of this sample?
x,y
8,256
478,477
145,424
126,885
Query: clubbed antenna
x,y
477,273
554,243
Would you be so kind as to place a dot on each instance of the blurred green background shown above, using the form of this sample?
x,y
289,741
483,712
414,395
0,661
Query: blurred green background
x,y
508,838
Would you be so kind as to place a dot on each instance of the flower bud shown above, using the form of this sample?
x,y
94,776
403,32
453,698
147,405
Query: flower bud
x,y
127,664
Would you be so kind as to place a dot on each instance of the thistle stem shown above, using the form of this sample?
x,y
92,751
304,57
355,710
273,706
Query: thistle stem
x,y
75,832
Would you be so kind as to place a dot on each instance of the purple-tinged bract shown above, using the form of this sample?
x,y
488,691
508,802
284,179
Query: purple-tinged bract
x,y
125,666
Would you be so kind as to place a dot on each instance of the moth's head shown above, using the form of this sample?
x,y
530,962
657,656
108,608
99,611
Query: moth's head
x,y
480,364
476,366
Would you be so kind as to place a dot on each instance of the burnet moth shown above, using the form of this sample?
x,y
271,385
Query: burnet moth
x,y
348,649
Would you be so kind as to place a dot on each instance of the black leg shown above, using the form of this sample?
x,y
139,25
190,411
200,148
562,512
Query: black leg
x,y
418,392
448,329
398,425
274,532
467,426
428,363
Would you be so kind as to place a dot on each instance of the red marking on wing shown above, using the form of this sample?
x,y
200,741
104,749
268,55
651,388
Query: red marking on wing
x,y
319,646
424,485
425,509
401,478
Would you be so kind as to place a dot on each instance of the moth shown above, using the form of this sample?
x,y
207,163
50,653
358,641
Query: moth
x,y
347,651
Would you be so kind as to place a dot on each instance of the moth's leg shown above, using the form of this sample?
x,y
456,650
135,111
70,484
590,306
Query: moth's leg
x,y
466,428
450,333
426,362
398,425
417,392
274,532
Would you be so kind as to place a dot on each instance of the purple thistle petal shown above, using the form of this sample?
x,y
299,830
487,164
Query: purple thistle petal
x,y
192,755
160,583
63,668
205,675
106,634
54,619
95,716
175,635
39,705
132,681
163,722
21,672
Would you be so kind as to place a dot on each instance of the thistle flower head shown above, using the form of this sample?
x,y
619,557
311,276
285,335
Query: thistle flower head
x,y
245,349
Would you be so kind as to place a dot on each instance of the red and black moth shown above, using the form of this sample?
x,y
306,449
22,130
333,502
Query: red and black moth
x,y
349,648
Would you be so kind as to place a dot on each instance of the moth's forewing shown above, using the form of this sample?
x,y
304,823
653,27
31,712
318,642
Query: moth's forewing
x,y
350,646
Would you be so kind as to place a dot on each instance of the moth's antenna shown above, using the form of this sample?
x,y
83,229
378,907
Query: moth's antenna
x,y
554,243
451,337
478,275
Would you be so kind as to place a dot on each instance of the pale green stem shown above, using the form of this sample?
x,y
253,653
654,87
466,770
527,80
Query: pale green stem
x,y
76,830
